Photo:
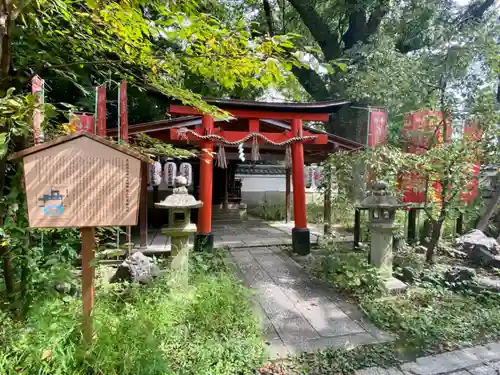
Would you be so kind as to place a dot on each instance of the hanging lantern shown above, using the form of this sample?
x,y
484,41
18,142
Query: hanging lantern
x,y
170,173
186,170
155,174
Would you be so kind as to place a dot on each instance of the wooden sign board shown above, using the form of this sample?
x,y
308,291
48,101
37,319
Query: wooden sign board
x,y
81,181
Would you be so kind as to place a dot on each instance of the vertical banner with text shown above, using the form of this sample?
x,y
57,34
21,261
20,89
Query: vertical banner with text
x,y
101,111
123,112
377,128
38,89
472,133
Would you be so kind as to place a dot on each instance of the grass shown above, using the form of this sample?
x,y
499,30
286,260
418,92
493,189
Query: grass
x,y
153,330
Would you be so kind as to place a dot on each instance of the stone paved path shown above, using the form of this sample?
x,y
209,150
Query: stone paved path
x,y
298,313
478,360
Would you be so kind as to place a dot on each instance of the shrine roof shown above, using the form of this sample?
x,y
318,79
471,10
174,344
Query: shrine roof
x,y
327,106
66,138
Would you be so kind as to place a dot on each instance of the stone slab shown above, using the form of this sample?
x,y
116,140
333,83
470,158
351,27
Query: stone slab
x,y
380,371
340,342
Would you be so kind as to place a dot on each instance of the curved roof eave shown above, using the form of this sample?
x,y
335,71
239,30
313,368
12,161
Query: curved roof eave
x,y
326,106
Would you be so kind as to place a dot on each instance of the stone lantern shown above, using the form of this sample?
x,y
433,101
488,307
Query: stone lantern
x,y
382,221
179,205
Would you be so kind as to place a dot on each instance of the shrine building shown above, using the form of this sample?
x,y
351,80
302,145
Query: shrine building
x,y
256,131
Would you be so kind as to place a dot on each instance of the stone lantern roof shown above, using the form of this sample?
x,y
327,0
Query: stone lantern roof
x,y
380,198
180,198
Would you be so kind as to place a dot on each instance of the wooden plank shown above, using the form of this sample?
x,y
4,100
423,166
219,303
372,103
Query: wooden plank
x,y
88,275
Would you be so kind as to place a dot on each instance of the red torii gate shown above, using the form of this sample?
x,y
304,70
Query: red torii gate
x,y
297,136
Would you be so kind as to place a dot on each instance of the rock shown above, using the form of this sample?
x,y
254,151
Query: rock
x,y
68,289
480,248
420,249
136,268
408,275
459,275
487,284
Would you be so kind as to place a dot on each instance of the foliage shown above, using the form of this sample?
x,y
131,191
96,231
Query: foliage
x,y
347,361
147,330
436,318
275,210
350,273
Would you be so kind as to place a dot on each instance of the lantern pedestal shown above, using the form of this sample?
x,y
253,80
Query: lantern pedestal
x,y
381,247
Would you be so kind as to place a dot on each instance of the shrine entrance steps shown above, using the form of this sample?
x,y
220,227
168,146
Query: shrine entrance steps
x,y
297,313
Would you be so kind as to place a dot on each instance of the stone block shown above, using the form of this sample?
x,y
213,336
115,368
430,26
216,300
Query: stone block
x,y
327,319
294,330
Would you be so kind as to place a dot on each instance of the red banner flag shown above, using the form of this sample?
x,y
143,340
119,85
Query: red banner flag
x,y
101,111
472,133
123,112
421,130
377,128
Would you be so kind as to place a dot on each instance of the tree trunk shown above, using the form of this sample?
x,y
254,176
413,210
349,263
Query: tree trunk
x,y
490,210
8,271
435,236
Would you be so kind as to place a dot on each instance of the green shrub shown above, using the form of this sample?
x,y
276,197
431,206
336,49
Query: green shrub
x,y
436,318
350,273
154,330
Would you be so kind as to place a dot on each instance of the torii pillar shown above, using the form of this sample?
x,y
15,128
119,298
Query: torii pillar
x,y
204,238
301,236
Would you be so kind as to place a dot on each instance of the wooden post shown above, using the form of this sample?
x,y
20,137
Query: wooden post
x,y
288,213
143,207
88,275
225,204
327,207
204,238
357,227
412,226
300,234
156,199
459,228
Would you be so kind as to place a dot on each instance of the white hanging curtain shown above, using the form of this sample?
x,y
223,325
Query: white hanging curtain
x,y
155,174
186,170
170,173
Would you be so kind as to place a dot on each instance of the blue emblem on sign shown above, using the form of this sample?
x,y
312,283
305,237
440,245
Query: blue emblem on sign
x,y
52,209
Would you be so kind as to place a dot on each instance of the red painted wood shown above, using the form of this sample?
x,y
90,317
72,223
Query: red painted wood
x,y
123,112
299,189
101,111
232,136
206,178
84,122
253,114
253,125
